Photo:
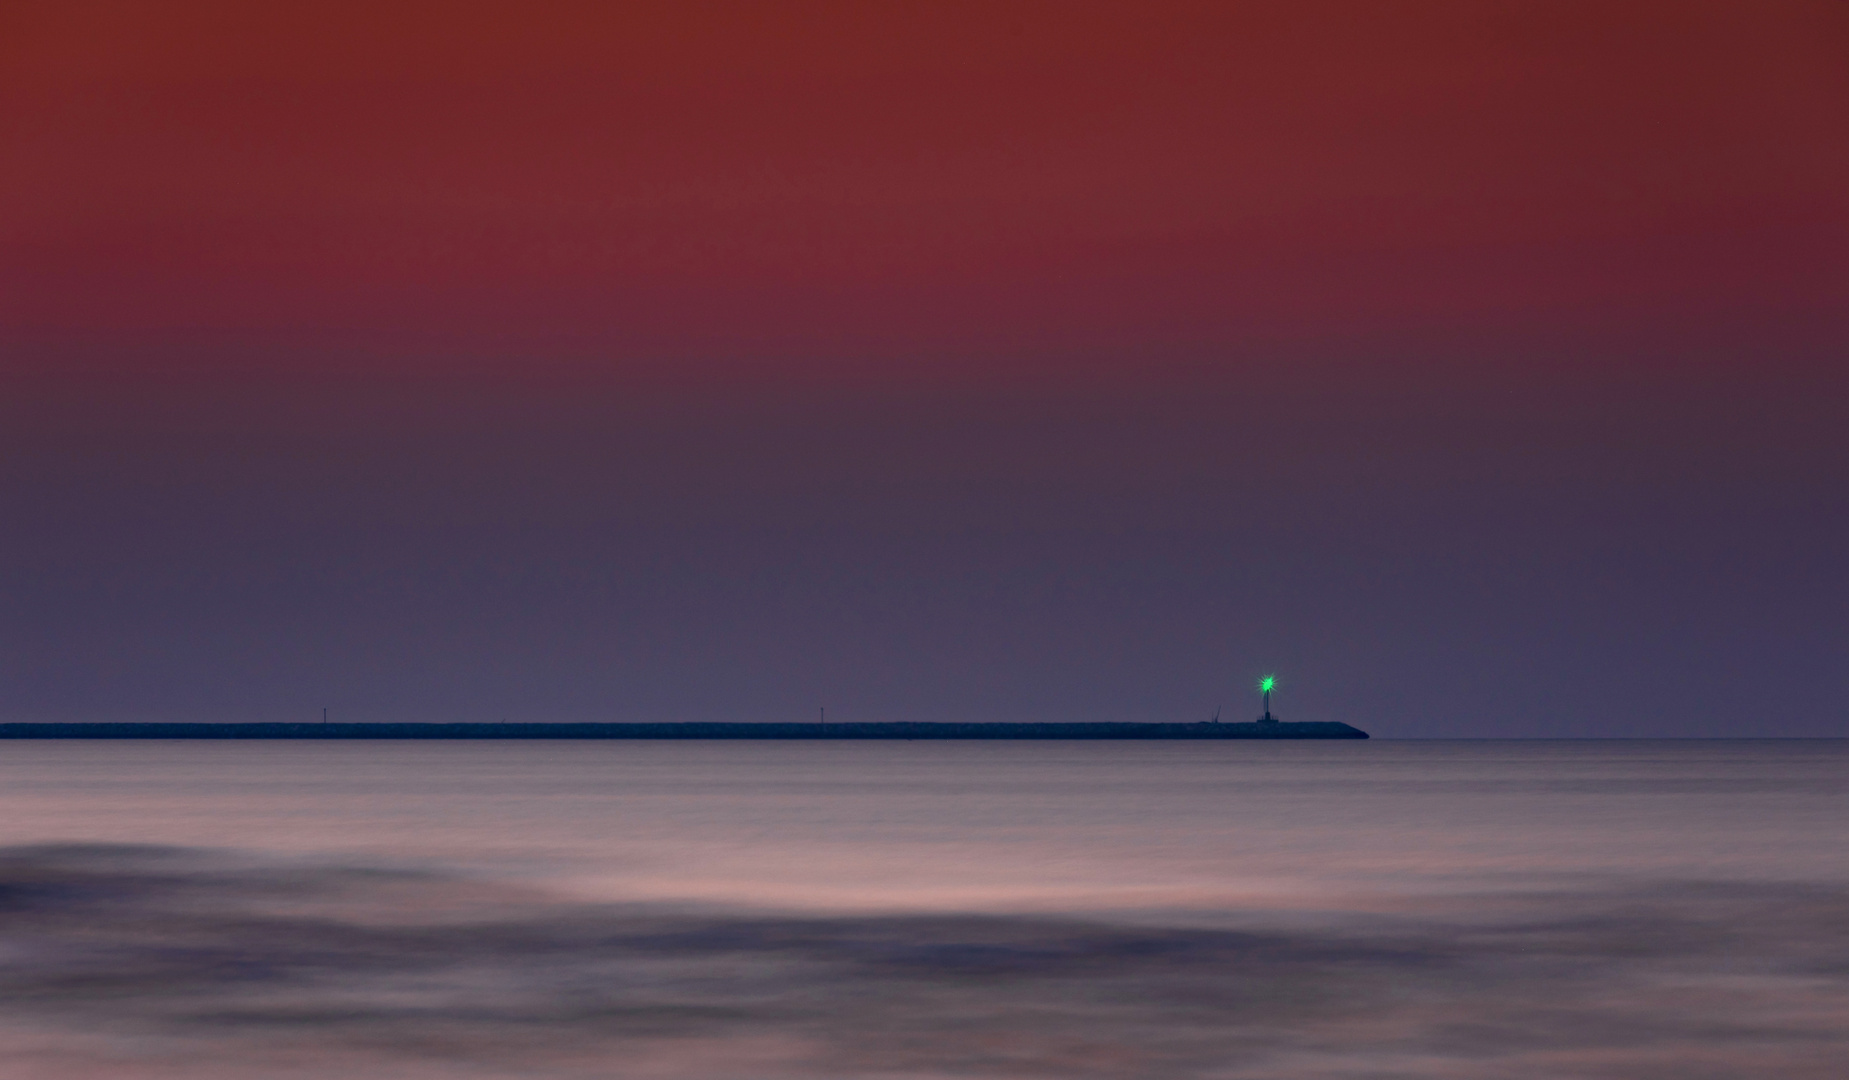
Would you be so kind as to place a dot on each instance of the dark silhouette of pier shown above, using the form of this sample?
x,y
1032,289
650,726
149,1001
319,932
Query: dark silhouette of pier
x,y
682,730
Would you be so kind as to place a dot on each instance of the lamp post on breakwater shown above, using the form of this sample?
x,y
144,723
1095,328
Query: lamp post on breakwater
x,y
1264,687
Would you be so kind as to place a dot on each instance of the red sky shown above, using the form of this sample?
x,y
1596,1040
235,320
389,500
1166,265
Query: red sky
x,y
691,360
780,186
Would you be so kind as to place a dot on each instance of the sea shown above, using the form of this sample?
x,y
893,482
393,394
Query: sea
x,y
1492,910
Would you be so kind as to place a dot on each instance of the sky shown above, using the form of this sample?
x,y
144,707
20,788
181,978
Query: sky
x,y
1476,367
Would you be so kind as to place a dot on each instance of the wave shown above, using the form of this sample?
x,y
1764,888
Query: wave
x,y
133,962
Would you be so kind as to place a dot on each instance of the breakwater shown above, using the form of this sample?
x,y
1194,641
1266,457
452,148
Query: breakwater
x,y
681,730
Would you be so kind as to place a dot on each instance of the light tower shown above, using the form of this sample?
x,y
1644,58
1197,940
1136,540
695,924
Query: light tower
x,y
1264,687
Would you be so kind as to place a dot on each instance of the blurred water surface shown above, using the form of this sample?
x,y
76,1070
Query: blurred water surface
x,y
1378,909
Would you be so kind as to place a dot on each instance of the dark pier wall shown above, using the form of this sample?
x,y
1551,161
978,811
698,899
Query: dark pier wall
x,y
681,731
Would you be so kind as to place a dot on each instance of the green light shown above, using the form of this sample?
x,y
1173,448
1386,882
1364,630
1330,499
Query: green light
x,y
1265,684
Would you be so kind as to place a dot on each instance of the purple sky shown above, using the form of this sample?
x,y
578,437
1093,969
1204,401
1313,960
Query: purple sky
x,y
1478,369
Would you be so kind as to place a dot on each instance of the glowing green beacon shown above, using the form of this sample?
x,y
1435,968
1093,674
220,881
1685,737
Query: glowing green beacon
x,y
1264,687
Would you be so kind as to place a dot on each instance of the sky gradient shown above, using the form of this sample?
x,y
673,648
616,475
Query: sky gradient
x,y
1478,367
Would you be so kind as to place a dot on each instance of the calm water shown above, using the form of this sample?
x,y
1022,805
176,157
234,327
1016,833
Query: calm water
x,y
1326,910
